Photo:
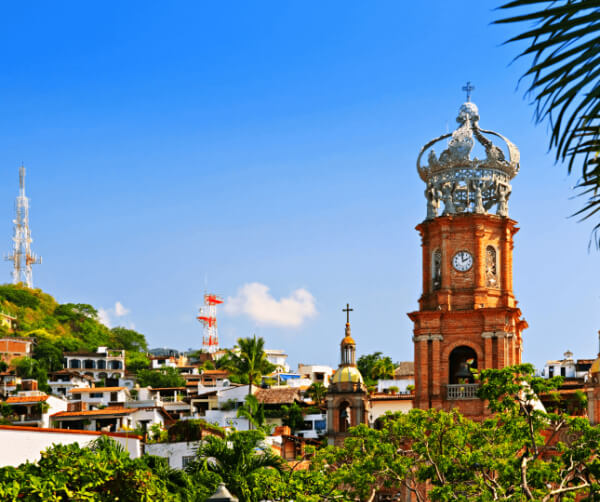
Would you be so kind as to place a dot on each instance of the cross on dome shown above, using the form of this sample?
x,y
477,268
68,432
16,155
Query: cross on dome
x,y
347,310
468,88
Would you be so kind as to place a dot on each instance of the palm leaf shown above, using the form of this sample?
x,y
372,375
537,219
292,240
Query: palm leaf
x,y
565,84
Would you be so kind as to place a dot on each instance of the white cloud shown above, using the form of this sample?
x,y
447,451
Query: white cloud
x,y
255,301
105,316
120,311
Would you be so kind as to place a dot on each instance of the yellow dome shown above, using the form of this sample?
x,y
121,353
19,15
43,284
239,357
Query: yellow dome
x,y
348,340
347,374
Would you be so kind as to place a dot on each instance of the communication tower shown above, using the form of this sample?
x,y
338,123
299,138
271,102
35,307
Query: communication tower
x,y
22,256
208,318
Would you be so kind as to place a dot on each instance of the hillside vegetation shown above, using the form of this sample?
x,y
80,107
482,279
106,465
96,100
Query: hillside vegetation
x,y
61,327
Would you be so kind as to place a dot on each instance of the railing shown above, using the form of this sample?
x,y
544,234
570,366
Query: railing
x,y
463,391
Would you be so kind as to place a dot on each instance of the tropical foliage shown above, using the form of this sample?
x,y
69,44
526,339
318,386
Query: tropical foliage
x,y
104,472
248,362
238,461
563,40
165,377
375,367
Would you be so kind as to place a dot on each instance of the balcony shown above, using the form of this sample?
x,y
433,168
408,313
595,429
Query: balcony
x,y
462,391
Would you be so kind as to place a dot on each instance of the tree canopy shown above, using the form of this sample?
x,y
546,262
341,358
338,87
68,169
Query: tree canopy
x,y
563,40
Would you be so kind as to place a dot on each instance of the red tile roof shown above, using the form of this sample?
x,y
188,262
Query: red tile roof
x,y
110,410
96,389
25,399
18,428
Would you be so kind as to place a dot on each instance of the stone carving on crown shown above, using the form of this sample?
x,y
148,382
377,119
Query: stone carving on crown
x,y
464,184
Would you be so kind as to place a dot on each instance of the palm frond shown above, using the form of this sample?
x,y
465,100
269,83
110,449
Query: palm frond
x,y
565,84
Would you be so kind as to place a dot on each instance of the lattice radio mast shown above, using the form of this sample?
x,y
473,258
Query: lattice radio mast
x,y
22,256
208,318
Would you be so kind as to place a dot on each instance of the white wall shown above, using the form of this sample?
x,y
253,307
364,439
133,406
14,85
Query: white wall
x,y
379,408
401,384
20,446
226,419
174,452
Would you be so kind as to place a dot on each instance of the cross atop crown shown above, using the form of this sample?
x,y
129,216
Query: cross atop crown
x,y
468,88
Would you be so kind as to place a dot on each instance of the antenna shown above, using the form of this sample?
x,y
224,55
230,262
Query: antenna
x,y
208,317
22,256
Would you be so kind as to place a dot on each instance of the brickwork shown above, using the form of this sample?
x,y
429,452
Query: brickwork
x,y
473,311
11,348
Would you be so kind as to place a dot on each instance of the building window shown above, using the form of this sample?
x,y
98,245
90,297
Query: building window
x,y
76,396
75,363
96,395
101,365
436,269
89,364
550,371
491,268
115,365
563,371
114,396
186,459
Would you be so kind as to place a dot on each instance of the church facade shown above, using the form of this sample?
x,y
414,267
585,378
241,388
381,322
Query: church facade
x,y
468,319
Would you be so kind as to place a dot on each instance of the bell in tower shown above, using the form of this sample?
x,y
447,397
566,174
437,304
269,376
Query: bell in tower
x,y
468,318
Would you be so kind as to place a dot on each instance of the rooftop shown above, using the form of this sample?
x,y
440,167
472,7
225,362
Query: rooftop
x,y
25,399
109,410
279,395
96,389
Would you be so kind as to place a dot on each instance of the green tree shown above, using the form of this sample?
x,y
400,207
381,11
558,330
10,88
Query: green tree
x,y
383,369
127,339
250,361
165,377
101,473
317,392
254,412
3,365
236,459
293,416
563,39
48,355
26,367
136,361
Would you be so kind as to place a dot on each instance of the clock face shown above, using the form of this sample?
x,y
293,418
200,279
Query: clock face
x,y
462,261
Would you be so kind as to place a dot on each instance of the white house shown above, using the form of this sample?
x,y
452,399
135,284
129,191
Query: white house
x,y
380,404
316,373
315,425
278,358
33,408
25,444
100,396
105,363
111,419
404,375
61,382
567,367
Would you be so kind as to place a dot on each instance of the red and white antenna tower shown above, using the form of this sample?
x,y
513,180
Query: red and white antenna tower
x,y
208,318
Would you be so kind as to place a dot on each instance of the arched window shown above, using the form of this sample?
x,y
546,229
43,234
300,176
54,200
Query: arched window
x,y
436,269
115,365
345,420
75,364
463,359
89,364
101,365
491,267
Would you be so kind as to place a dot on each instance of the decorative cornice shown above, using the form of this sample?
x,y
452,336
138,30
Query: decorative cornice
x,y
427,338
496,334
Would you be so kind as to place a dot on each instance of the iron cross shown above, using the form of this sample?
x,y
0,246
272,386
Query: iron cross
x,y
468,88
347,310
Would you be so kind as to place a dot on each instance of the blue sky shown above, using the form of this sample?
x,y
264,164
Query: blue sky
x,y
174,148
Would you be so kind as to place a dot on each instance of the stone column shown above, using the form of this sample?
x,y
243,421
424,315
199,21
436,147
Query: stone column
x,y
487,337
435,369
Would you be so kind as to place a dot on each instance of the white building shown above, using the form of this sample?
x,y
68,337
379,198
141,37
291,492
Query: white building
x,y
111,419
278,358
404,376
33,408
315,426
567,367
100,396
61,382
105,363
25,444
316,373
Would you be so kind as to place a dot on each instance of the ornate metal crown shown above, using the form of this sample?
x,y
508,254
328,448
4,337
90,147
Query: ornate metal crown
x,y
464,184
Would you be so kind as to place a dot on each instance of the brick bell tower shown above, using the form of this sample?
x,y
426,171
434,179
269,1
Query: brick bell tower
x,y
468,317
